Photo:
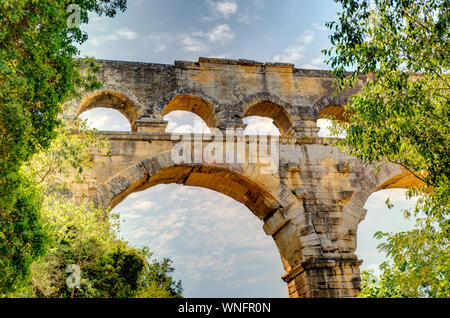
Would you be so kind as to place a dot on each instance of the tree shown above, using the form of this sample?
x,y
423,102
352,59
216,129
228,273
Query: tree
x,y
379,287
88,237
401,115
37,75
83,234
22,236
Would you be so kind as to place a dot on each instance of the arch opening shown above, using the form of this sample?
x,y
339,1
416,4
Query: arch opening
x,y
326,117
263,194
281,118
391,186
381,218
180,121
218,249
193,104
336,112
257,125
325,126
106,119
109,99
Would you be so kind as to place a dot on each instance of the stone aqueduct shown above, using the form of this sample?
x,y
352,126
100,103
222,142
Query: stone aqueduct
x,y
311,206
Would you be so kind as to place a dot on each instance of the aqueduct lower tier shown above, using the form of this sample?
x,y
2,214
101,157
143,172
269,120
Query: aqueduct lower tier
x,y
311,204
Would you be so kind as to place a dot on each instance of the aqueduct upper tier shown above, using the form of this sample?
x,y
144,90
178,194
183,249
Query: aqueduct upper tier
x,y
311,204
222,92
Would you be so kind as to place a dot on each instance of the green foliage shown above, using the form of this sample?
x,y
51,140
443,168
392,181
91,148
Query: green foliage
x,y
379,287
37,75
22,236
156,283
83,234
400,50
67,158
110,268
418,266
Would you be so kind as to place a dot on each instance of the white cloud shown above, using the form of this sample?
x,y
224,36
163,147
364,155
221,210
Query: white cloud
x,y
319,27
211,238
226,8
121,34
291,54
307,37
220,34
193,44
223,9
143,205
260,126
247,18
197,41
294,53
315,63
257,4
100,121
158,42
185,122
128,34
229,8
138,233
325,125
106,119
129,215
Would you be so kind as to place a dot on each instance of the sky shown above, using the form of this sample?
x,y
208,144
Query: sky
x,y
217,246
160,31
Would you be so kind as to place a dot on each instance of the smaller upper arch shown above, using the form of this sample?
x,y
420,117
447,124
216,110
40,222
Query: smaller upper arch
x,y
194,102
268,105
110,99
331,106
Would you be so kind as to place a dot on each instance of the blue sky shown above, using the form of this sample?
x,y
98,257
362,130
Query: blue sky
x,y
163,31
218,247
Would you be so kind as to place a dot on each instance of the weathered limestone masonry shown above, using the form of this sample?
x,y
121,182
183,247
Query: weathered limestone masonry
x,y
311,206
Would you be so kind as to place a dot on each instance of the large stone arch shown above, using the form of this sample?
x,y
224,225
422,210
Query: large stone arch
x,y
403,180
271,106
366,180
388,176
268,199
114,98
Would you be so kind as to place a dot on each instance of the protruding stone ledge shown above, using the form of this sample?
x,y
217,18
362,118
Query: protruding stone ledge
x,y
305,129
283,67
150,125
213,60
331,263
279,65
224,125
319,263
158,135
